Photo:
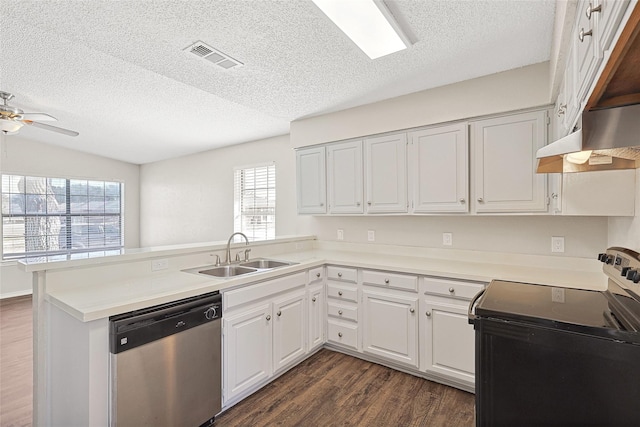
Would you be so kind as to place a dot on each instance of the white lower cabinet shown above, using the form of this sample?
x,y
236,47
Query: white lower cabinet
x,y
449,342
390,325
247,349
317,318
289,329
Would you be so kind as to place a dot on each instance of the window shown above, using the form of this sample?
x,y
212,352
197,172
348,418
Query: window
x,y
255,201
49,216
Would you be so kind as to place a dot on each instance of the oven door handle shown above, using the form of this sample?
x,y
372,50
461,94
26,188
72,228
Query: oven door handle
x,y
472,305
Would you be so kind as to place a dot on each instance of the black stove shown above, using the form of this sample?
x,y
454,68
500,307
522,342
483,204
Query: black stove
x,y
550,355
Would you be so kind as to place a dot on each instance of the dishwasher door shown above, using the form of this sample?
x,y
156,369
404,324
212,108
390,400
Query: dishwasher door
x,y
171,381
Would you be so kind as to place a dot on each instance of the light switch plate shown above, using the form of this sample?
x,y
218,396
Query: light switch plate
x,y
557,244
447,239
371,235
340,234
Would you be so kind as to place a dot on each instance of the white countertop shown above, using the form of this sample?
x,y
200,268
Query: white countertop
x,y
92,302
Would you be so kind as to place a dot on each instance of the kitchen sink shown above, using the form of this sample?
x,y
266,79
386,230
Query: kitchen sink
x,y
263,264
227,271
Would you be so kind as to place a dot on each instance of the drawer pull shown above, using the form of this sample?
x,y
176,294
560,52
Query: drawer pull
x,y
313,299
584,33
339,293
592,9
428,313
386,281
318,275
340,312
339,274
451,290
279,313
480,200
412,310
268,317
340,334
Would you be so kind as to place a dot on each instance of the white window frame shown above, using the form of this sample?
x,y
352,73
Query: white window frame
x,y
254,204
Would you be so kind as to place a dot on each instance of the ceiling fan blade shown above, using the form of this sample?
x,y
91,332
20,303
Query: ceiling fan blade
x,y
51,128
43,117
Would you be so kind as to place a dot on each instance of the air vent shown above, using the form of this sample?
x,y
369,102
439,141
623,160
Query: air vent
x,y
202,50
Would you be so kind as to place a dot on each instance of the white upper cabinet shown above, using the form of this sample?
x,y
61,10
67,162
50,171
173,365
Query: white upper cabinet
x,y
438,169
386,174
311,180
505,178
587,46
610,15
345,177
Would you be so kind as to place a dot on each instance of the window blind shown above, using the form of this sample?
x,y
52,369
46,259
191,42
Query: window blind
x,y
49,216
255,201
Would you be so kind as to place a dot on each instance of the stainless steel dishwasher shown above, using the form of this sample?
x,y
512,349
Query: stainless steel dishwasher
x,y
166,364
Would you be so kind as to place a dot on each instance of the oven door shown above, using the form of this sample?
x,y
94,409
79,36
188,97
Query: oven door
x,y
533,375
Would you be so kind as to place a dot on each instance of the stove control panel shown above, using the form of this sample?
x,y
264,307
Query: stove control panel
x,y
621,264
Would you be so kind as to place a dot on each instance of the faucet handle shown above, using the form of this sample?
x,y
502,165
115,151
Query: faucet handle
x,y
217,259
238,256
246,254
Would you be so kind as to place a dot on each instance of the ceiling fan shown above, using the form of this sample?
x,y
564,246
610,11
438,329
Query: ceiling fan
x,y
12,119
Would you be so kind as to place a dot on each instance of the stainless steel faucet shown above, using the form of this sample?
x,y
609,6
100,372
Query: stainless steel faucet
x,y
228,260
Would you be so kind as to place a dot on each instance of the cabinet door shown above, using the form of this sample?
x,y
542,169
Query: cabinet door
x,y
390,326
386,174
611,12
439,167
247,350
316,316
587,47
311,180
345,177
449,346
289,329
505,163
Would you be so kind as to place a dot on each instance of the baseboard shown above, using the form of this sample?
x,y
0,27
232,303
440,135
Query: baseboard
x,y
14,294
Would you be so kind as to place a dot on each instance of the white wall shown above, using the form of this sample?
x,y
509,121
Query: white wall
x,y
507,91
625,232
24,157
190,199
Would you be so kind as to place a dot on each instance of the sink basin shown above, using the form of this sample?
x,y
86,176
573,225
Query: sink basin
x,y
227,271
264,264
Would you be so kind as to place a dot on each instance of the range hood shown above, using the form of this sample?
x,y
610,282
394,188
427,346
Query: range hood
x,y
609,139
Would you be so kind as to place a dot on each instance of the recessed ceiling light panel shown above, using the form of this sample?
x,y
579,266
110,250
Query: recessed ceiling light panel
x,y
368,23
214,56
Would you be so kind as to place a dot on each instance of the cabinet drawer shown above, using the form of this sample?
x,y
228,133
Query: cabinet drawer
x,y
254,292
390,280
452,288
342,292
344,274
342,311
316,275
343,334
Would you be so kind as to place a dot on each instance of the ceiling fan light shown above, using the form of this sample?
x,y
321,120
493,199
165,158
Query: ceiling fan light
x,y
8,126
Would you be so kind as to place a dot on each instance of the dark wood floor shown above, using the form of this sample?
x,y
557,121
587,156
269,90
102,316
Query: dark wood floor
x,y
328,389
16,367
333,389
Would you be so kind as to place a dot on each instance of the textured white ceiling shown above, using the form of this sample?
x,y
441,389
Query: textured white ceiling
x,y
116,72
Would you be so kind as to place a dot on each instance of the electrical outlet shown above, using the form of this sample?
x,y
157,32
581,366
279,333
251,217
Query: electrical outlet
x,y
447,239
340,234
159,264
371,235
557,244
557,295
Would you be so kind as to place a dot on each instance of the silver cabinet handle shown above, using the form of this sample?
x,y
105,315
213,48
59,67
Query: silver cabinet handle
x,y
340,312
562,109
318,275
428,313
313,299
412,310
480,200
452,290
369,203
268,317
339,293
584,33
339,274
386,281
463,201
340,334
357,203
321,204
279,313
592,9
